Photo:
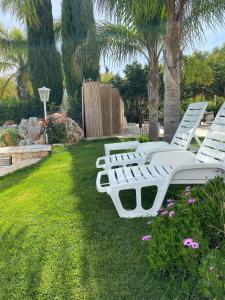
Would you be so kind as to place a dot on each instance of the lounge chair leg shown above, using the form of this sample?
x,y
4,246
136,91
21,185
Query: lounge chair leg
x,y
123,213
139,211
138,199
161,193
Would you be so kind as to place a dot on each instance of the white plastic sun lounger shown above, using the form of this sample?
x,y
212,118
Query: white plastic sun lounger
x,y
181,141
179,167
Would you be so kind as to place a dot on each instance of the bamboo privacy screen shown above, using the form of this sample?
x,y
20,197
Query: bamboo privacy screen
x,y
102,110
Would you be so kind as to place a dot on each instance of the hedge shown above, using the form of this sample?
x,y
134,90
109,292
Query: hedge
x,y
14,109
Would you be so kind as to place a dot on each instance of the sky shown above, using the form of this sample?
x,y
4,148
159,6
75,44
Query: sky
x,y
213,38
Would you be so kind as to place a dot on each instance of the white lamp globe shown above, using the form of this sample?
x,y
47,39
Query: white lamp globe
x,y
44,94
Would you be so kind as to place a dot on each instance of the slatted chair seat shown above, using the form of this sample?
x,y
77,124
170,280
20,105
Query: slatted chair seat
x,y
165,168
181,141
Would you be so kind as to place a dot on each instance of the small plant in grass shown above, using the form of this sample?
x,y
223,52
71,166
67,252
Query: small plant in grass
x,y
212,275
143,138
188,235
9,137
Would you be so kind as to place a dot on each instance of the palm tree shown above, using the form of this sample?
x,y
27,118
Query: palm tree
x,y
13,58
43,58
122,41
183,19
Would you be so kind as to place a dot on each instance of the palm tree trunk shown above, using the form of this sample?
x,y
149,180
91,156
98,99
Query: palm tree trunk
x,y
153,95
172,61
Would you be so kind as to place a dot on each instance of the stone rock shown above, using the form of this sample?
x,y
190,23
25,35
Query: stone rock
x,y
13,126
74,132
22,128
41,140
30,130
34,128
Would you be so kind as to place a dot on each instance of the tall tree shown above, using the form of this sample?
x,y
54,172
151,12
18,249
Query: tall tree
x,y
43,58
77,22
182,18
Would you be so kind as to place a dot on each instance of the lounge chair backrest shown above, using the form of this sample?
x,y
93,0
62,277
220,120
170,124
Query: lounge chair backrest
x,y
188,125
212,149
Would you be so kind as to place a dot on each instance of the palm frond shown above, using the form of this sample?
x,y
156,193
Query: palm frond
x,y
13,41
24,10
200,14
114,41
6,66
118,41
2,90
125,10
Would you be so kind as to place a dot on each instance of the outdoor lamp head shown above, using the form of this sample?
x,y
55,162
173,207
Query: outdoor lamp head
x,y
44,94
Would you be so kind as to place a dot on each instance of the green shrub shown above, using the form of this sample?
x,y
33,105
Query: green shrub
x,y
203,221
167,252
143,138
212,275
56,131
215,104
9,137
14,109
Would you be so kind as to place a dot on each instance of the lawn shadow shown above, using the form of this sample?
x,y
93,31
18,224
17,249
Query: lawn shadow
x,y
22,263
114,262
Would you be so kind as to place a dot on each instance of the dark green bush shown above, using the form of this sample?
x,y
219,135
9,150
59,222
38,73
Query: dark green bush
x,y
212,275
56,131
14,109
215,104
203,221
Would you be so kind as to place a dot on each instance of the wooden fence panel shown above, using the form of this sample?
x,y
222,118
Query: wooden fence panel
x,y
102,110
106,106
92,109
116,112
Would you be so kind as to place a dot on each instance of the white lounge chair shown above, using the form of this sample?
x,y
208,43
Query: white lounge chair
x,y
179,167
143,153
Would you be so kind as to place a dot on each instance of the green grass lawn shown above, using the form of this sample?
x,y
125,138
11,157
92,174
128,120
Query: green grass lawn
x,y
61,239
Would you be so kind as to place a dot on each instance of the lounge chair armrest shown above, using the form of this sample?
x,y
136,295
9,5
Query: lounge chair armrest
x,y
173,158
198,165
120,146
100,186
100,165
150,146
167,148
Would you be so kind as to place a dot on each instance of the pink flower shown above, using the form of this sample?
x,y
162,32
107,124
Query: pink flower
x,y
164,213
170,205
194,245
188,242
146,237
172,214
191,201
170,201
